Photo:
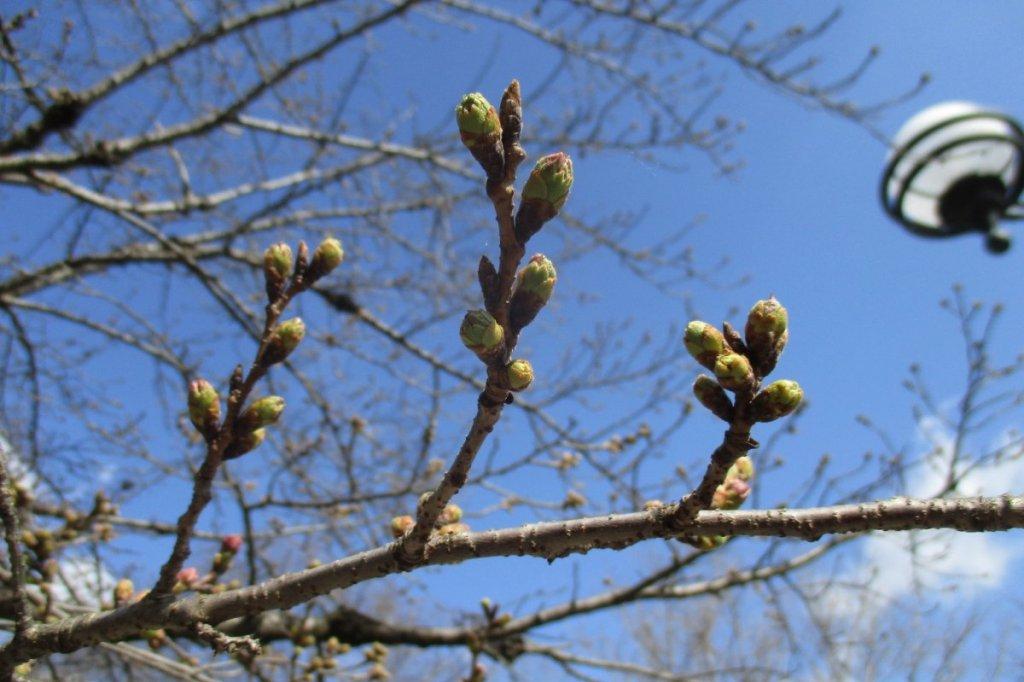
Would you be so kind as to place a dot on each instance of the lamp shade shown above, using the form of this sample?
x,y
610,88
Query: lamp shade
x,y
953,168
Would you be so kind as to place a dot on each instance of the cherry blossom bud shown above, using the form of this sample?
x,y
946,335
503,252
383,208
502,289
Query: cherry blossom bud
x,y
123,591
778,399
452,513
766,334
742,468
480,130
231,543
245,442
520,374
704,342
712,396
327,256
534,284
481,333
284,338
204,407
400,525
263,412
544,194
277,268
734,372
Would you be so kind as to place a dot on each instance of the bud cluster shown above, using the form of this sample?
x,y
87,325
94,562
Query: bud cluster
x,y
251,426
280,266
730,495
739,364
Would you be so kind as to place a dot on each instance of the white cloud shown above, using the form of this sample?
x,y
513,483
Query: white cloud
x,y
943,564
81,581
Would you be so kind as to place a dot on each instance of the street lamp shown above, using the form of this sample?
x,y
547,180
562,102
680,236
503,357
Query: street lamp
x,y
956,168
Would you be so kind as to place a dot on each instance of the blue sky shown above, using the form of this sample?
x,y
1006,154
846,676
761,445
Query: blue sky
x,y
801,219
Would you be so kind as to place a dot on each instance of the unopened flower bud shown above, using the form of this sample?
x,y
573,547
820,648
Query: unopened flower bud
x,y
707,542
284,338
534,284
186,578
327,256
778,399
123,591
651,505
277,268
451,529
704,342
263,412
204,407
481,333
734,372
573,500
731,494
400,525
712,396
480,130
520,374
766,333
231,543
742,468
245,442
155,638
544,194
222,562
452,513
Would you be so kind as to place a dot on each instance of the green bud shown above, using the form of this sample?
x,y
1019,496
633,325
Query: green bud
x,y
778,399
480,130
204,407
544,194
123,591
277,261
766,334
734,372
452,513
704,342
742,468
284,338
712,396
245,442
538,277
481,333
707,542
400,525
327,256
520,374
534,284
476,117
550,180
263,412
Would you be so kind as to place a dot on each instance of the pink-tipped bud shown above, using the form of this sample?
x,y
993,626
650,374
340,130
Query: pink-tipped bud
x,y
231,543
188,576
